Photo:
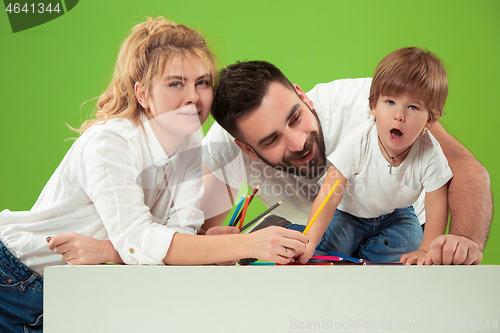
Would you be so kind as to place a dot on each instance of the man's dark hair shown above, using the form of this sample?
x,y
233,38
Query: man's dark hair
x,y
240,89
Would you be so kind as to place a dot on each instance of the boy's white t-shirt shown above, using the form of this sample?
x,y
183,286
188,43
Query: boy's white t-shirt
x,y
372,191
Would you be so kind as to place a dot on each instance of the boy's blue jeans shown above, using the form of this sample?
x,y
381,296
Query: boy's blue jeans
x,y
381,239
21,295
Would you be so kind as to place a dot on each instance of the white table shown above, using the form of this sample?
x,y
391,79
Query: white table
x,y
271,299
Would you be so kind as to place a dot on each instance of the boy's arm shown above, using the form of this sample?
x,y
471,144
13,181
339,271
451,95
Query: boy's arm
x,y
470,202
436,212
436,218
317,230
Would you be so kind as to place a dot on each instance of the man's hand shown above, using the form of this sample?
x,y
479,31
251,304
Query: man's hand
x,y
452,249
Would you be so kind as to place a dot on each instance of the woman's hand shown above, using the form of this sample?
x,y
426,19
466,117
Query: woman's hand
x,y
76,249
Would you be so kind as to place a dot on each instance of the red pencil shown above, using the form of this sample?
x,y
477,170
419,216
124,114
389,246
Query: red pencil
x,y
307,264
254,192
241,212
244,211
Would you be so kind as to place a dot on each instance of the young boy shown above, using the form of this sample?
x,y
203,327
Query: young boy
x,y
384,164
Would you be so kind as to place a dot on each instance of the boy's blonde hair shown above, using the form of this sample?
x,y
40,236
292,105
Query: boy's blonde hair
x,y
412,71
142,59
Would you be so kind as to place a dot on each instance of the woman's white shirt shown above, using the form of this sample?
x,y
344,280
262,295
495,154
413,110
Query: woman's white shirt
x,y
116,182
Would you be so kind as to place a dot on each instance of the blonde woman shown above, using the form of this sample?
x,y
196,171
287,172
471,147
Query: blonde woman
x,y
132,181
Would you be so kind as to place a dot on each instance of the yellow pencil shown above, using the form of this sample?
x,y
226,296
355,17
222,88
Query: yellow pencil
x,y
309,225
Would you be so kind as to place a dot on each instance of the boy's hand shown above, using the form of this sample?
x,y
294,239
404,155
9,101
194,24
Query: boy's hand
x,y
308,253
412,258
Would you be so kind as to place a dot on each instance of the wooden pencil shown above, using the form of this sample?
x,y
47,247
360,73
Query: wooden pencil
x,y
265,263
251,197
254,192
262,263
296,263
255,220
244,211
358,261
236,211
315,216
332,258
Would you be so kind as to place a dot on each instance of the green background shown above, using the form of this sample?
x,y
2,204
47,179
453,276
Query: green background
x,y
48,71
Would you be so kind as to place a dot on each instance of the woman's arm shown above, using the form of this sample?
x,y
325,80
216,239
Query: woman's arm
x,y
267,244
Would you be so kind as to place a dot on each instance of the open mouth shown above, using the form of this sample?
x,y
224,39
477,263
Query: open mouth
x,y
396,134
303,156
306,157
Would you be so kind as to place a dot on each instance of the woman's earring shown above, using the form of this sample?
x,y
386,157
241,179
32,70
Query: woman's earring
x,y
144,105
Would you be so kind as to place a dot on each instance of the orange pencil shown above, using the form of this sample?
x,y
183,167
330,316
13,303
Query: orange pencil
x,y
244,211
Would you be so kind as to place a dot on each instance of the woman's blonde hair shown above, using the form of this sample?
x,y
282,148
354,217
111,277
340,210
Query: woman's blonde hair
x,y
142,59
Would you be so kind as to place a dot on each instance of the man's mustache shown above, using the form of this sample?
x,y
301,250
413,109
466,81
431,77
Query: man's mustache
x,y
307,146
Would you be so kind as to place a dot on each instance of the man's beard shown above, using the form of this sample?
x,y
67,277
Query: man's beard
x,y
315,167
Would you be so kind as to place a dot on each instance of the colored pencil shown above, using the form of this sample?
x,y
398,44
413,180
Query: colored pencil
x,y
315,216
251,197
255,220
358,261
244,211
254,192
262,263
326,258
307,264
383,263
237,209
265,263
